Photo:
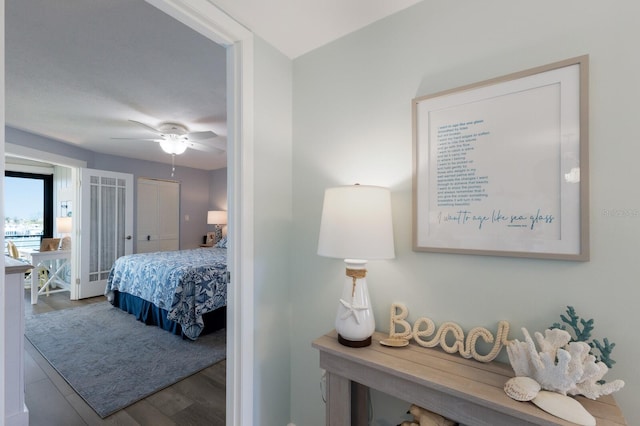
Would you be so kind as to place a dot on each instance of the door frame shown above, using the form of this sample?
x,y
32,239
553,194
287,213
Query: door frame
x,y
205,18
75,165
216,25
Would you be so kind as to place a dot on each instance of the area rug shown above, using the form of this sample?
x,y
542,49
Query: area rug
x,y
112,360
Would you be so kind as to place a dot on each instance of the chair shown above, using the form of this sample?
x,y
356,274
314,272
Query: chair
x,y
65,243
43,273
12,250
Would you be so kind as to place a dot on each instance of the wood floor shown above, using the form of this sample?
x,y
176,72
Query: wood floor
x,y
196,400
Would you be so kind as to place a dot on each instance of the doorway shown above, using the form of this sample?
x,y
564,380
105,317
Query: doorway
x,y
205,18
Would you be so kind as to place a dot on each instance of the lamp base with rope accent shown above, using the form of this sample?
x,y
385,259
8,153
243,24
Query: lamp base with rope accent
x,y
354,321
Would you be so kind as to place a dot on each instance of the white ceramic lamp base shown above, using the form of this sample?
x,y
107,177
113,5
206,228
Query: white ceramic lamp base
x,y
354,322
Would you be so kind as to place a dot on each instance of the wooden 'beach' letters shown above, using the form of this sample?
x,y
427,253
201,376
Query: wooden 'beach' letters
x,y
425,327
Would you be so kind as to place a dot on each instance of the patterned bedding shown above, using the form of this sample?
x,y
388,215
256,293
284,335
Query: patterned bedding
x,y
185,283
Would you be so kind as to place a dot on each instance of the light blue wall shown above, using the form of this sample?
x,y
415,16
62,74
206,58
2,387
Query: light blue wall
x,y
352,123
46,145
218,189
218,193
194,183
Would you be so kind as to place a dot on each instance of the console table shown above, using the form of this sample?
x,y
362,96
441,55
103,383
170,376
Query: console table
x,y
467,391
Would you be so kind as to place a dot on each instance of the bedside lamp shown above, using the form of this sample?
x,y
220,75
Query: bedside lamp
x,y
218,218
356,226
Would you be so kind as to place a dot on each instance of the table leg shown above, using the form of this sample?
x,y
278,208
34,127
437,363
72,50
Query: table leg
x,y
359,411
338,408
34,286
53,276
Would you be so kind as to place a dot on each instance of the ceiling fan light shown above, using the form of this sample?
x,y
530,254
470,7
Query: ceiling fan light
x,y
173,146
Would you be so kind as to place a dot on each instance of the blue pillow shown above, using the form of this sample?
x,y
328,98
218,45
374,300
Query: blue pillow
x,y
222,243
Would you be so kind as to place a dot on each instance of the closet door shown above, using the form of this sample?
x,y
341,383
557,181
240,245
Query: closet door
x,y
158,215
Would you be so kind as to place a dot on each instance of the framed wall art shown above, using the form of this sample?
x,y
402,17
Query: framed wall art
x,y
501,166
213,237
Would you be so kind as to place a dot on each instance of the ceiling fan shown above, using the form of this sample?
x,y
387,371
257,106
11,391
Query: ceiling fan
x,y
175,138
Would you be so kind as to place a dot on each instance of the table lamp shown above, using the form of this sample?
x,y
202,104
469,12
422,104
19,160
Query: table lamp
x,y
63,226
356,226
218,218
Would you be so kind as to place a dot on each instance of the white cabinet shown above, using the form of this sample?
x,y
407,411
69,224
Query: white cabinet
x,y
13,411
158,208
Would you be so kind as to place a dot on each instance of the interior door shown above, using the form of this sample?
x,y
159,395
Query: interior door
x,y
147,202
106,226
158,207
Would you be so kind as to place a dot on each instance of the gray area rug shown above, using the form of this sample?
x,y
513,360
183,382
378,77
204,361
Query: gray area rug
x,y
112,360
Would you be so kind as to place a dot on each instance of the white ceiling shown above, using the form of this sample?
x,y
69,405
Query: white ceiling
x,y
78,70
296,27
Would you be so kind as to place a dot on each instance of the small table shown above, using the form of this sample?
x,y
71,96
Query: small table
x,y
43,258
464,390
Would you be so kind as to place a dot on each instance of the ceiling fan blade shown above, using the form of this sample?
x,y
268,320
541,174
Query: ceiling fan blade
x,y
206,141
202,147
200,136
146,126
135,139
220,143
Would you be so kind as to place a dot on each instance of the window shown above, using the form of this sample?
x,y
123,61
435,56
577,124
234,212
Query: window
x,y
28,208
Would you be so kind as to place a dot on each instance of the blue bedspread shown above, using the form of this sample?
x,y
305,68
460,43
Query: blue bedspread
x,y
185,283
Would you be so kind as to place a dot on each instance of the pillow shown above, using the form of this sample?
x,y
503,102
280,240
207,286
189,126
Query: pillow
x,y
222,243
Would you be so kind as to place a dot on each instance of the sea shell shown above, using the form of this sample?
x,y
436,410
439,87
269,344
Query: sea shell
x,y
561,366
522,388
564,407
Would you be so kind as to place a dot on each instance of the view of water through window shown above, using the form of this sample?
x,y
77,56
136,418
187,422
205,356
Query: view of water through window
x,y
24,211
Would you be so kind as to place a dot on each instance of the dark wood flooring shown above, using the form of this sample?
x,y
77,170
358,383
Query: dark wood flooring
x,y
196,400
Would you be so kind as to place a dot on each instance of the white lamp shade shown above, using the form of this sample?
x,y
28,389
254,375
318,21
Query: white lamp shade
x,y
216,217
356,223
63,225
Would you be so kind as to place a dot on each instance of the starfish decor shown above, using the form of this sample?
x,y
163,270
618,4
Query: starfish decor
x,y
352,309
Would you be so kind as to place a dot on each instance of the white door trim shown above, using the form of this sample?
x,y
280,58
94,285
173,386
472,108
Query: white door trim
x,y
207,19
34,154
75,165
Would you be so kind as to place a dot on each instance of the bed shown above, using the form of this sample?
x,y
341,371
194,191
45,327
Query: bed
x,y
183,292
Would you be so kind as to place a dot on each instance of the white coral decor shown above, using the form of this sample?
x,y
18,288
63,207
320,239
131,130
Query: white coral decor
x,y
561,366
